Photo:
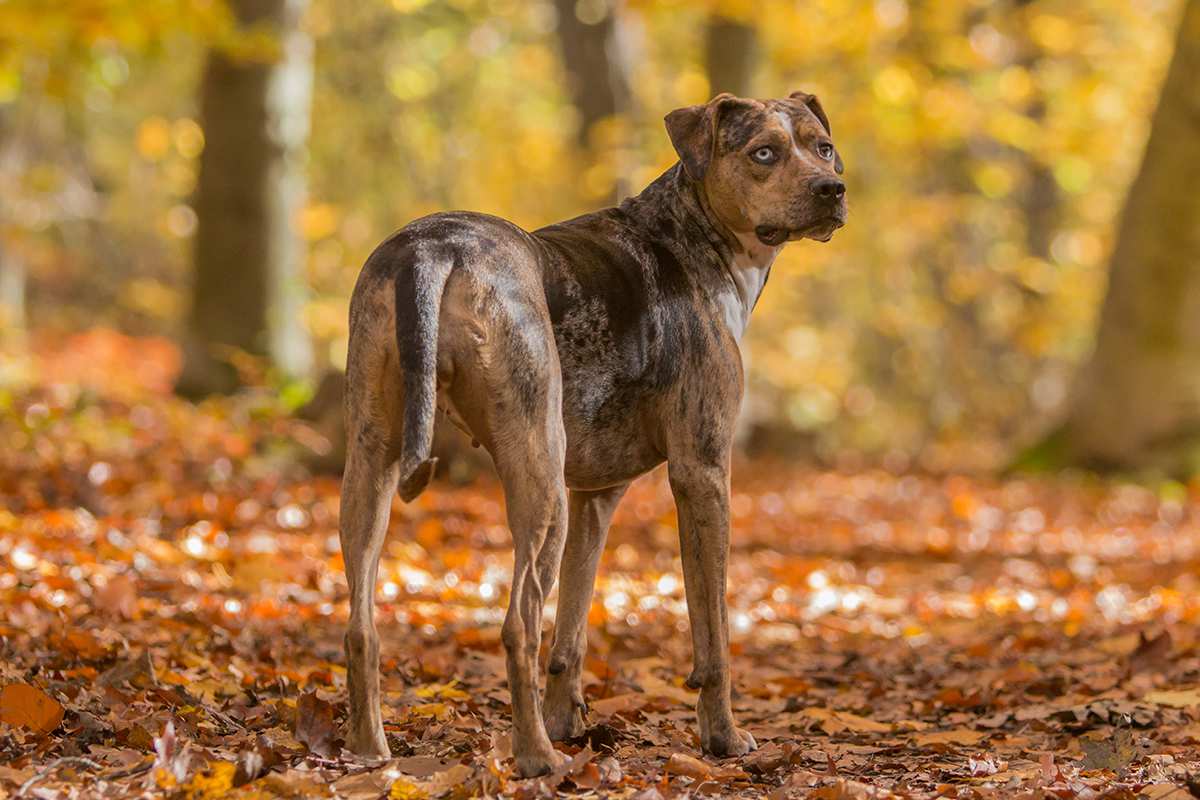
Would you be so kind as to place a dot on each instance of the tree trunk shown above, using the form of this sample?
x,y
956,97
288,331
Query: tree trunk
x,y
731,55
1137,401
12,267
598,74
249,260
12,294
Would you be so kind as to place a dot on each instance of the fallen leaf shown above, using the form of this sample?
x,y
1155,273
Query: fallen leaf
x,y
1151,653
1113,749
138,671
314,724
25,706
610,771
956,736
984,766
683,764
403,789
439,711
118,597
1176,698
649,793
211,783
618,704
837,721
440,783
442,691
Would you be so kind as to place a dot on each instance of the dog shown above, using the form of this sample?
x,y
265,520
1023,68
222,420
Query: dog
x,y
581,355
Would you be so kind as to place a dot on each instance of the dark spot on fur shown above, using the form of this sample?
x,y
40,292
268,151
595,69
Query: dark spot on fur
x,y
737,126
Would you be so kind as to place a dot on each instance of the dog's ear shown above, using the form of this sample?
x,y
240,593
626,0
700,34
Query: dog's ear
x,y
693,131
814,105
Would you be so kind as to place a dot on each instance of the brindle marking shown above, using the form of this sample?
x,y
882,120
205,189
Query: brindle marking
x,y
580,355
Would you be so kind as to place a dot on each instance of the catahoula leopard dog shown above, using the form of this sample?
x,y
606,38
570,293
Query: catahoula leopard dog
x,y
581,355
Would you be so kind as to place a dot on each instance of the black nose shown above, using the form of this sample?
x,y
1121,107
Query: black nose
x,y
829,187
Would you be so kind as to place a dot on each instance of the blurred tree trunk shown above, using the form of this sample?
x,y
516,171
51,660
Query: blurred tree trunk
x,y
12,293
1137,402
598,71
730,55
1040,200
249,260
12,267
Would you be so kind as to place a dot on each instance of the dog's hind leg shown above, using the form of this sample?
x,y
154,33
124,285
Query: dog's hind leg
x,y
511,397
590,514
537,516
368,485
367,490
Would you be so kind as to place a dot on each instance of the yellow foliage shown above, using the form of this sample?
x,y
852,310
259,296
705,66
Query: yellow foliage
x,y
212,783
442,691
404,789
438,711
948,284
154,138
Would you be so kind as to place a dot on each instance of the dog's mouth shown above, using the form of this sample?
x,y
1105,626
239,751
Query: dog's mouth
x,y
773,236
824,232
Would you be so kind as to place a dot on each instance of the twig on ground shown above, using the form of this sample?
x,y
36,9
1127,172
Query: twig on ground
x,y
78,761
46,771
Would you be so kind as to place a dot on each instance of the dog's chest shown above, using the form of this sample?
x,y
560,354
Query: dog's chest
x,y
748,270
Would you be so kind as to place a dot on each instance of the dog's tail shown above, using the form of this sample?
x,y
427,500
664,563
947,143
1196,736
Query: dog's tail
x,y
419,285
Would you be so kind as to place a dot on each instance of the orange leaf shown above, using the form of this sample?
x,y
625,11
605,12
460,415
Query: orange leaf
x,y
683,764
25,706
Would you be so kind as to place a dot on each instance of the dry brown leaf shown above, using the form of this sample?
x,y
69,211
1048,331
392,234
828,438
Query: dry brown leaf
x,y
1108,749
442,782
956,736
1174,698
618,704
837,721
314,724
118,597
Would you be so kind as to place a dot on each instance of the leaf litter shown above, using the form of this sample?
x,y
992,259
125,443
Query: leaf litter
x,y
172,606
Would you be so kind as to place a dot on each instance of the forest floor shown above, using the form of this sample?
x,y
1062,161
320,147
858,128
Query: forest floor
x,y
172,605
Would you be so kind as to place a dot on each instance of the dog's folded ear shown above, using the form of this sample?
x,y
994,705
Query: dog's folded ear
x,y
693,131
814,105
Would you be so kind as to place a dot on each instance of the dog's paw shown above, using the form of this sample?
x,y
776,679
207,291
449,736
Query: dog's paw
x,y
539,762
732,741
564,720
563,711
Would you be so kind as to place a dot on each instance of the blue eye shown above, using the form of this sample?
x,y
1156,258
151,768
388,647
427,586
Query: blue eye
x,y
764,155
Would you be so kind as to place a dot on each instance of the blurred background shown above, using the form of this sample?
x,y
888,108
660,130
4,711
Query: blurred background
x,y
207,176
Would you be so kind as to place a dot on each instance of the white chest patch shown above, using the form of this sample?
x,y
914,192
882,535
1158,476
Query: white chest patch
x,y
750,269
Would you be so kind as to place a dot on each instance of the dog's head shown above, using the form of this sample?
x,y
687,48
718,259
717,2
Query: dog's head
x,y
768,167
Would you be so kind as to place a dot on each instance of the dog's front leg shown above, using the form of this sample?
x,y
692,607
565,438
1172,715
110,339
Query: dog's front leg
x,y
702,497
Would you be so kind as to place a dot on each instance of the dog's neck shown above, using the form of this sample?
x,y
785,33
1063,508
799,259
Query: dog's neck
x,y
740,258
